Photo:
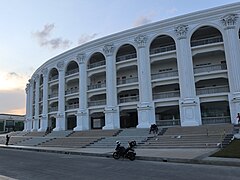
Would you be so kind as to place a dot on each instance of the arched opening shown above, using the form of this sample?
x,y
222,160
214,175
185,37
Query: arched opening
x,y
72,68
127,75
128,118
209,62
97,120
215,112
212,86
96,60
167,116
166,91
206,35
71,122
97,80
72,86
72,104
53,74
162,43
126,52
52,122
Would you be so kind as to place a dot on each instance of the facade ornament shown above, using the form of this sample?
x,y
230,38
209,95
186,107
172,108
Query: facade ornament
x,y
141,40
81,58
60,65
44,72
108,49
31,82
27,88
36,77
181,31
229,20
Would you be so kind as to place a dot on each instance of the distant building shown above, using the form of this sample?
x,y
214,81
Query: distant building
x,y
180,71
11,122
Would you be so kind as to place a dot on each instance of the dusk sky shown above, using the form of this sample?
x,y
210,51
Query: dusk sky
x,y
34,31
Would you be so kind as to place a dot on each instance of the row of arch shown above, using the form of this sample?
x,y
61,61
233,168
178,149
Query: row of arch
x,y
160,43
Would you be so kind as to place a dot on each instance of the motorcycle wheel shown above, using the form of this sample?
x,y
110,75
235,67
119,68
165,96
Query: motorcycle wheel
x,y
116,155
131,156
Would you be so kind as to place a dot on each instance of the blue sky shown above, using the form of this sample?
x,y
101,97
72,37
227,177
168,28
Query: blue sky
x,y
33,31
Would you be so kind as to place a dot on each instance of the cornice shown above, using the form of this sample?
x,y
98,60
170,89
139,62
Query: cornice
x,y
170,23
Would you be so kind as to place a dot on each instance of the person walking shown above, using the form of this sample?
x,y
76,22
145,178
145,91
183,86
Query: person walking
x,y
7,139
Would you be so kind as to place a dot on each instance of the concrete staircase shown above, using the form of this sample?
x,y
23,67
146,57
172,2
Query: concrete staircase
x,y
205,136
58,134
33,141
126,135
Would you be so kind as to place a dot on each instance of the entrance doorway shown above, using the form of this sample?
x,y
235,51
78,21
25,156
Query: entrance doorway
x,y
71,122
128,118
97,120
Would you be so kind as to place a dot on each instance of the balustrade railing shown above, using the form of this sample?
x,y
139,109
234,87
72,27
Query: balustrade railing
x,y
72,91
72,106
168,122
53,78
128,99
162,49
96,86
52,95
164,95
97,102
73,71
96,64
52,109
127,80
126,57
164,74
216,120
210,68
206,41
212,90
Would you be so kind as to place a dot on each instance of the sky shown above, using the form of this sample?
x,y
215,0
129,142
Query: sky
x,y
34,31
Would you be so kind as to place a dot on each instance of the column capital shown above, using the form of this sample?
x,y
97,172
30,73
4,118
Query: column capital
x,y
44,72
81,58
31,82
27,88
229,21
36,78
60,65
181,31
108,49
141,40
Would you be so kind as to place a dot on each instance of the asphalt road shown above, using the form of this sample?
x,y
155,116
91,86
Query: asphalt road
x,y
26,165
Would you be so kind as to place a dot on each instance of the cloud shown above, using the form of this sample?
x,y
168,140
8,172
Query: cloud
x,y
12,102
12,80
86,37
45,38
142,20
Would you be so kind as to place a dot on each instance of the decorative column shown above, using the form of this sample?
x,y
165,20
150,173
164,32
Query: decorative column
x,y
44,119
232,53
189,104
36,114
60,118
146,109
82,114
31,83
26,122
112,120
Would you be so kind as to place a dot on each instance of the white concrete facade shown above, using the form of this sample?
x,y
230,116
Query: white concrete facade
x,y
181,71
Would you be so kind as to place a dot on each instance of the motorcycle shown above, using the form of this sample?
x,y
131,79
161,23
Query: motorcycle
x,y
129,153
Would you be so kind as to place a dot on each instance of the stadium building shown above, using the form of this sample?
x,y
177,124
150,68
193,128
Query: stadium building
x,y
182,71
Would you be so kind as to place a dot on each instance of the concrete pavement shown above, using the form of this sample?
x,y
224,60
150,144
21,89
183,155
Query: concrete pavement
x,y
180,155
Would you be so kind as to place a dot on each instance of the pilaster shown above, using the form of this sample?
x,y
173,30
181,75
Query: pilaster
x,y
146,109
36,116
60,118
189,104
232,53
31,83
82,114
44,118
112,120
